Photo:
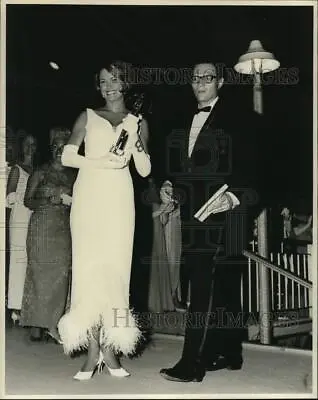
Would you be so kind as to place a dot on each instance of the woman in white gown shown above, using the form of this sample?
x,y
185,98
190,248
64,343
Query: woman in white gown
x,y
18,223
102,227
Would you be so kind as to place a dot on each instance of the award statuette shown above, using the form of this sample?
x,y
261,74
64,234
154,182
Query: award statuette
x,y
119,147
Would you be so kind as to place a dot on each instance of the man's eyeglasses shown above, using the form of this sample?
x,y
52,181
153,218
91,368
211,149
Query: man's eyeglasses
x,y
203,78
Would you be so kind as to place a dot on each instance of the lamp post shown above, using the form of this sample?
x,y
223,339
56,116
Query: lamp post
x,y
256,61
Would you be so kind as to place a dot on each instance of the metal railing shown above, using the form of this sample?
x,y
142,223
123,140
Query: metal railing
x,y
289,287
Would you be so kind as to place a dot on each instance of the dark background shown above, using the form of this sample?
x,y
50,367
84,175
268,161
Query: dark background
x,y
80,38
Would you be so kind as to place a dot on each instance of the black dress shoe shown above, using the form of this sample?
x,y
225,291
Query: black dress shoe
x,y
232,364
219,363
177,375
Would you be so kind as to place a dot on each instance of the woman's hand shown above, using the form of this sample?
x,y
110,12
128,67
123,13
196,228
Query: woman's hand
x,y
131,124
111,161
66,199
55,197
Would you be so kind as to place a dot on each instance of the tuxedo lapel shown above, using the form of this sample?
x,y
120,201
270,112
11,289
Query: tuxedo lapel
x,y
208,122
206,126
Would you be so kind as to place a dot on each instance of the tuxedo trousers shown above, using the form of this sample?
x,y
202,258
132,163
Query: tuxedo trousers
x,y
214,323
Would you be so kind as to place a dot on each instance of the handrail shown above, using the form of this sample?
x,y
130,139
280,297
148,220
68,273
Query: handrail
x,y
257,258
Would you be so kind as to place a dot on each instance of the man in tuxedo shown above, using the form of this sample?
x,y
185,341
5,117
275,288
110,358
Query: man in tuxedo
x,y
215,145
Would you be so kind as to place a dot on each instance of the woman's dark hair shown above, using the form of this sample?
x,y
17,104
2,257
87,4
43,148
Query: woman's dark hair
x,y
20,140
125,73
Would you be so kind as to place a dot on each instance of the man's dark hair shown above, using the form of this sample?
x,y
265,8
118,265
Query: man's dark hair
x,y
218,66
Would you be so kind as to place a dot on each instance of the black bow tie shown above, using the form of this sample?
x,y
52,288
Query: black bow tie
x,y
203,109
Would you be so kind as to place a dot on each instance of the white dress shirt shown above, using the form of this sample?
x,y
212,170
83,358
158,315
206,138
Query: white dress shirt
x,y
198,121
197,124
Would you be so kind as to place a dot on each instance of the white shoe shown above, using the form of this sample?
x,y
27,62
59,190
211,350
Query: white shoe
x,y
83,375
15,317
118,372
86,375
59,341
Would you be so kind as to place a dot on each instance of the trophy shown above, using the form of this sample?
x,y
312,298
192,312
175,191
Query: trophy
x,y
119,147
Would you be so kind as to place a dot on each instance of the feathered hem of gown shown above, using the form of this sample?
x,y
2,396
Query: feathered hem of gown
x,y
121,334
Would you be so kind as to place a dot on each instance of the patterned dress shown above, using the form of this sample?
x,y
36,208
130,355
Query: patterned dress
x,y
49,256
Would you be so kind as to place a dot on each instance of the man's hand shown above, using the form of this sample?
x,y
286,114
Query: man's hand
x,y
166,192
221,204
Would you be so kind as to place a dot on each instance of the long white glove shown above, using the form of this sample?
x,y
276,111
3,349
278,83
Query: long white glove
x,y
141,158
142,163
71,158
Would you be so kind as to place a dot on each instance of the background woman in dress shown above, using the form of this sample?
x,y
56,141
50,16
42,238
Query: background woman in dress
x,y
166,254
49,242
102,226
19,222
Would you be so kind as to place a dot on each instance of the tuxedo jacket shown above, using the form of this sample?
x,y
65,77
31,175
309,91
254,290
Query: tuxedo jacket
x,y
227,151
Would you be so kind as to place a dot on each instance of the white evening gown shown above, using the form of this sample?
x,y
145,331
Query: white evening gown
x,y
102,227
18,231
